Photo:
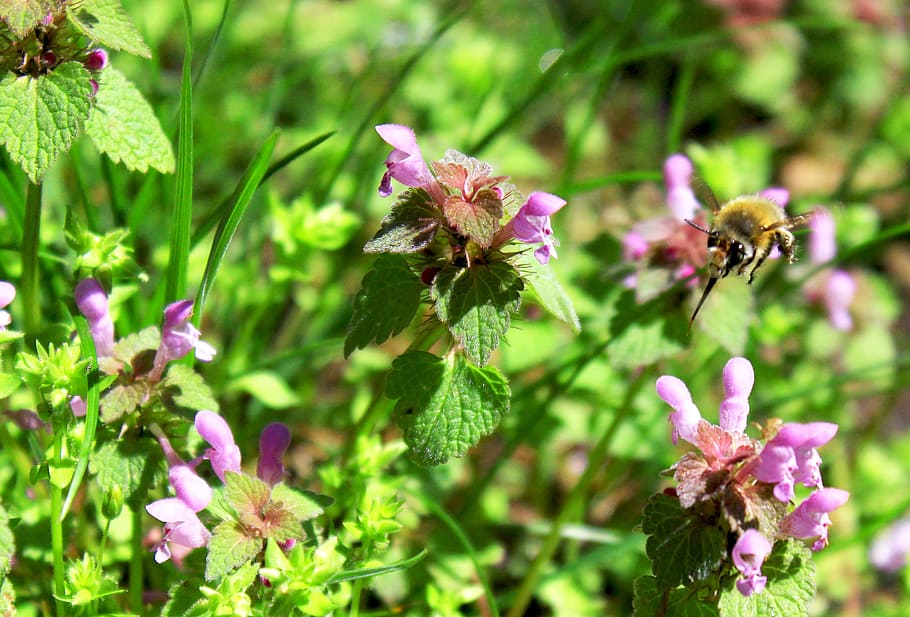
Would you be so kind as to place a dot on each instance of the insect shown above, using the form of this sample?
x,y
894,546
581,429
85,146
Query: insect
x,y
743,232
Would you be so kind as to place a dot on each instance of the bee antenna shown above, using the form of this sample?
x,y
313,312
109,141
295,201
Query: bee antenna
x,y
698,227
704,295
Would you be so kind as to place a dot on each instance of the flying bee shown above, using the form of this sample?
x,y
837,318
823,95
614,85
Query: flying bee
x,y
743,233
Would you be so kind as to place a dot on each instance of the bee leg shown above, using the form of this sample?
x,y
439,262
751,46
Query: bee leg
x,y
787,245
760,256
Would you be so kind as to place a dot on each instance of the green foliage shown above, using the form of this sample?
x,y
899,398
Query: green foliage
x,y
411,225
651,602
105,22
230,547
23,15
479,219
445,405
790,589
133,466
184,388
41,116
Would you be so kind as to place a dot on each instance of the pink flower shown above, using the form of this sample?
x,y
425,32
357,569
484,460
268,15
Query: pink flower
x,y
749,554
739,377
405,163
822,242
888,551
7,295
181,526
273,443
777,194
532,223
678,179
189,487
840,289
810,518
685,416
634,246
179,336
95,60
224,455
91,300
78,407
791,457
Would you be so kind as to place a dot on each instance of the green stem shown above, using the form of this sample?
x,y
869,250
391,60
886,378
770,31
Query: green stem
x,y
31,299
595,462
136,605
57,533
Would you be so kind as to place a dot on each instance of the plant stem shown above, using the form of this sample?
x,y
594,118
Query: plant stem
x,y
57,531
136,564
31,299
595,462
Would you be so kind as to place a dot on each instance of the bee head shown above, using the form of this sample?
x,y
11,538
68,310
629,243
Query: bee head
x,y
724,254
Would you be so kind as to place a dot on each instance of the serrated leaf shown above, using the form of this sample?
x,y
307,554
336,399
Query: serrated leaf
x,y
476,304
546,287
478,219
229,548
644,333
388,299
649,602
727,314
246,494
789,591
9,383
681,546
133,466
304,506
445,406
23,15
122,399
105,22
184,387
8,336
41,116
135,343
409,227
123,125
7,543
268,388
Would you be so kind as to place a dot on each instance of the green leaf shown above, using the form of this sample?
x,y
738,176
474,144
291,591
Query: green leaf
x,y
476,304
477,219
790,589
445,406
245,493
132,465
229,548
303,506
268,388
681,546
7,543
184,387
727,314
402,564
410,227
123,399
649,602
389,297
131,345
9,383
546,287
41,116
105,22
123,125
23,15
7,598
644,333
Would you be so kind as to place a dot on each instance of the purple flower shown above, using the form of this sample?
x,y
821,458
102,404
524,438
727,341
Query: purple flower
x,y
822,242
224,455
179,336
739,377
91,300
777,194
810,518
888,551
749,554
7,295
840,289
189,487
181,526
78,406
273,443
678,179
685,416
634,246
791,457
532,223
95,60
405,163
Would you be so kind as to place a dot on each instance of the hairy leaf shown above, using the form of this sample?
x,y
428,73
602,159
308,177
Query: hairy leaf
x,y
649,602
546,287
478,219
790,588
229,548
23,15
389,297
133,465
245,493
122,399
476,304
41,116
123,125
445,405
682,547
409,227
105,22
185,388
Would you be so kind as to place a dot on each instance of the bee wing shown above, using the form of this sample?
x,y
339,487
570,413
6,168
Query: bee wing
x,y
791,222
704,194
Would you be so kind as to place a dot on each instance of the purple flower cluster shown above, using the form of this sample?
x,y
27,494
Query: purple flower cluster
x,y
182,526
466,185
741,468
834,288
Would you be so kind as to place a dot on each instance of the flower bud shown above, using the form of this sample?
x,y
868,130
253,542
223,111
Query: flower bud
x,y
96,60
112,503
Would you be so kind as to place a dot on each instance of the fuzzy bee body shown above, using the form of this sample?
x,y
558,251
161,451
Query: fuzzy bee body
x,y
742,234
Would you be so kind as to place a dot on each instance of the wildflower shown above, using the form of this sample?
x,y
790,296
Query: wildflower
x,y
678,179
738,381
748,555
78,406
188,486
179,336
810,518
532,223
888,551
7,295
685,416
224,455
790,457
91,300
405,163
95,60
835,288
273,442
181,526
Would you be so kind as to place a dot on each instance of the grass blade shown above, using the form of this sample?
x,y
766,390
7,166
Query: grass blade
x,y
231,219
352,575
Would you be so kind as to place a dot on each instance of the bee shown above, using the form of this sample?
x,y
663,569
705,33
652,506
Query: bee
x,y
743,233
